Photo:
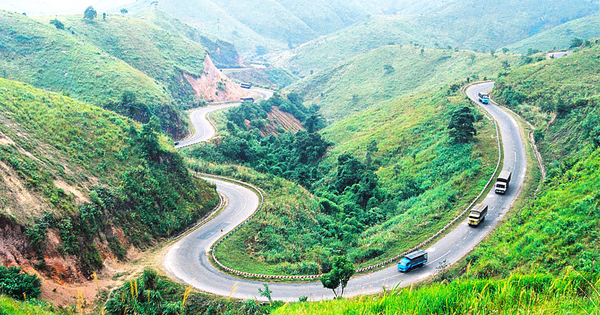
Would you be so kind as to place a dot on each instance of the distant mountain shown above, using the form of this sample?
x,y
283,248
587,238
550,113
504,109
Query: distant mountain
x,y
469,24
560,37
258,26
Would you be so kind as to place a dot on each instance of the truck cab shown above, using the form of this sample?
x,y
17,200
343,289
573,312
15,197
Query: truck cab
x,y
413,260
477,214
484,98
503,182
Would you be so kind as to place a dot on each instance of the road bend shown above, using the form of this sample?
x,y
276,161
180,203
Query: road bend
x,y
188,259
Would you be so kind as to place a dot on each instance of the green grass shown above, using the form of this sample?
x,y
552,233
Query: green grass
x,y
37,53
426,183
390,72
9,306
223,54
466,24
560,37
519,294
162,55
84,173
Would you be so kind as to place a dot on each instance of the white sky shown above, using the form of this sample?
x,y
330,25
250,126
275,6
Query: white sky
x,y
59,6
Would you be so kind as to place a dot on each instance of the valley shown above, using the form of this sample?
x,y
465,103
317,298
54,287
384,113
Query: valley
x,y
281,157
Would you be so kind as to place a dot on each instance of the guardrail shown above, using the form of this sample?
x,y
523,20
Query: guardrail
x,y
312,277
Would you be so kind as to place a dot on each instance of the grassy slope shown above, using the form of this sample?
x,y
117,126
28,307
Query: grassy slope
x,y
560,37
41,55
13,307
355,85
536,294
61,152
158,53
554,233
223,54
465,24
413,148
570,199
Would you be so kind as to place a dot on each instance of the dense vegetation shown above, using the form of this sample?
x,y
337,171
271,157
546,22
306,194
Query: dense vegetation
x,y
377,183
354,85
474,25
62,61
19,285
10,306
91,174
519,294
152,294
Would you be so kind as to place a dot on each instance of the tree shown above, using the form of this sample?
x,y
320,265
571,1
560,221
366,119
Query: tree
x,y
576,42
58,24
461,125
339,275
124,11
90,13
104,16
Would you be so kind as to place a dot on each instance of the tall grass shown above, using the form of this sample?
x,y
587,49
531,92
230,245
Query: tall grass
x,y
572,293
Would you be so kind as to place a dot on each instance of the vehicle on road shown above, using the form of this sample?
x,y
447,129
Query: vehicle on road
x,y
176,142
247,99
484,98
413,260
477,214
503,182
246,85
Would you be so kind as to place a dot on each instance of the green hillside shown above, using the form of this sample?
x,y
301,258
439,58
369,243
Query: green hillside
x,y
472,25
13,307
96,181
57,60
543,258
392,71
398,175
162,55
223,54
560,37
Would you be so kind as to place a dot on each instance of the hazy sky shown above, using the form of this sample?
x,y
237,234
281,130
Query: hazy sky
x,y
59,6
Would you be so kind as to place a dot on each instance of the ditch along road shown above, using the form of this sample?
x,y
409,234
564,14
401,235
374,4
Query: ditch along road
x,y
188,259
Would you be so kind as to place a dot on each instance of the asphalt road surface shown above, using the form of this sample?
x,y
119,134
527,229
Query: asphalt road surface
x,y
203,128
188,261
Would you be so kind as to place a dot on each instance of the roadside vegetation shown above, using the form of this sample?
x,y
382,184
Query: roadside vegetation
x,y
518,294
96,180
375,184
543,258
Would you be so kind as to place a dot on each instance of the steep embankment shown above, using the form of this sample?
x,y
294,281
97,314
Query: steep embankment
x,y
473,25
361,82
81,185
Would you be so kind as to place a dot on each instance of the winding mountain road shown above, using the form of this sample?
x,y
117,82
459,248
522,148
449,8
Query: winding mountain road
x,y
204,130
188,259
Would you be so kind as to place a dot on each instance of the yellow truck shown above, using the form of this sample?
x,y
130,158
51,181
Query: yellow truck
x,y
478,214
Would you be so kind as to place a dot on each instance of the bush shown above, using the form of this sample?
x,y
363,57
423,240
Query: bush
x,y
18,285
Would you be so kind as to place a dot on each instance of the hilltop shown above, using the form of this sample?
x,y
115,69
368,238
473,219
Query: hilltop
x,y
82,186
389,72
472,25
222,53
